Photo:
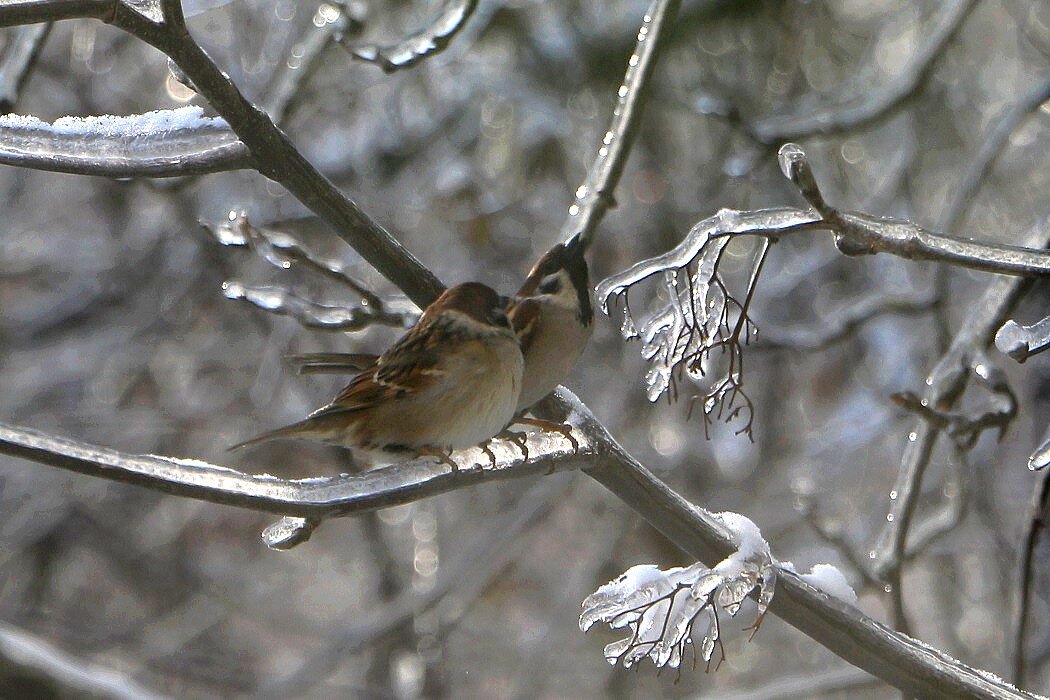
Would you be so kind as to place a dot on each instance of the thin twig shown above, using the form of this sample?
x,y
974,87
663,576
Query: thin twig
x,y
416,47
1036,523
595,196
20,56
943,387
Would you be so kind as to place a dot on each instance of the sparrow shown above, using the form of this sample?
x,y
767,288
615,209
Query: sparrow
x,y
552,317
452,381
551,314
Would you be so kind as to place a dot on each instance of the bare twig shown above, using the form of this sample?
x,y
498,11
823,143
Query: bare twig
x,y
595,196
836,325
420,45
458,582
19,58
62,674
943,387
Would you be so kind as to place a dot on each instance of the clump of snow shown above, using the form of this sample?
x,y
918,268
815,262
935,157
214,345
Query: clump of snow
x,y
832,581
666,610
157,122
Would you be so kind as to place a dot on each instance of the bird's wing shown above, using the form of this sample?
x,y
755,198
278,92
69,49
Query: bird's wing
x,y
525,316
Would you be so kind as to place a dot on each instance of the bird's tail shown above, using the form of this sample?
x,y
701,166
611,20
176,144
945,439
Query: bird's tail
x,y
302,429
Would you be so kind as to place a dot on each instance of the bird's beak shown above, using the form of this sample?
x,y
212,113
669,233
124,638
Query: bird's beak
x,y
574,246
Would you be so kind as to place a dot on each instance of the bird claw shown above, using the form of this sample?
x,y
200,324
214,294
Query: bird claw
x,y
563,429
488,450
442,455
519,438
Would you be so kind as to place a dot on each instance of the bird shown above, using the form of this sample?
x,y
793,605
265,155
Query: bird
x,y
551,314
552,317
451,382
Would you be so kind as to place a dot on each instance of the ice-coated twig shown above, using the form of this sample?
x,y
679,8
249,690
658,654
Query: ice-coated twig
x,y
20,56
310,314
1038,516
869,102
273,154
418,46
39,664
283,250
857,233
307,498
662,608
965,428
944,386
1040,458
165,143
595,196
1021,342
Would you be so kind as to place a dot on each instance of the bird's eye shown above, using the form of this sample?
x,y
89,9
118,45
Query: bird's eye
x,y
551,284
499,318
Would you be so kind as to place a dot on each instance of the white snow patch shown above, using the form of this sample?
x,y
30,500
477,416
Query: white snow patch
x,y
830,580
131,126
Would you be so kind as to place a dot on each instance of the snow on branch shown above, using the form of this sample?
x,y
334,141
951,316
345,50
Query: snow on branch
x,y
415,47
668,611
163,143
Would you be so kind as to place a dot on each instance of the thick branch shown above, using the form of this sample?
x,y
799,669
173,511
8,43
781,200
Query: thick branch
x,y
308,498
913,667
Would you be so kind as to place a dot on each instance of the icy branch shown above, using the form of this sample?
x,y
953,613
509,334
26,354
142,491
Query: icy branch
x,y
166,143
307,498
1021,342
310,314
666,611
943,387
414,48
595,196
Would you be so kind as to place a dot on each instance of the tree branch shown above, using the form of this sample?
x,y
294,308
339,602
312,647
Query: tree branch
x,y
420,45
274,155
166,143
943,387
595,195
19,58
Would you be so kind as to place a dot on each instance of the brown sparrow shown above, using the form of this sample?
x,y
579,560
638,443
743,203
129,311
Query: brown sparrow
x,y
451,382
551,314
